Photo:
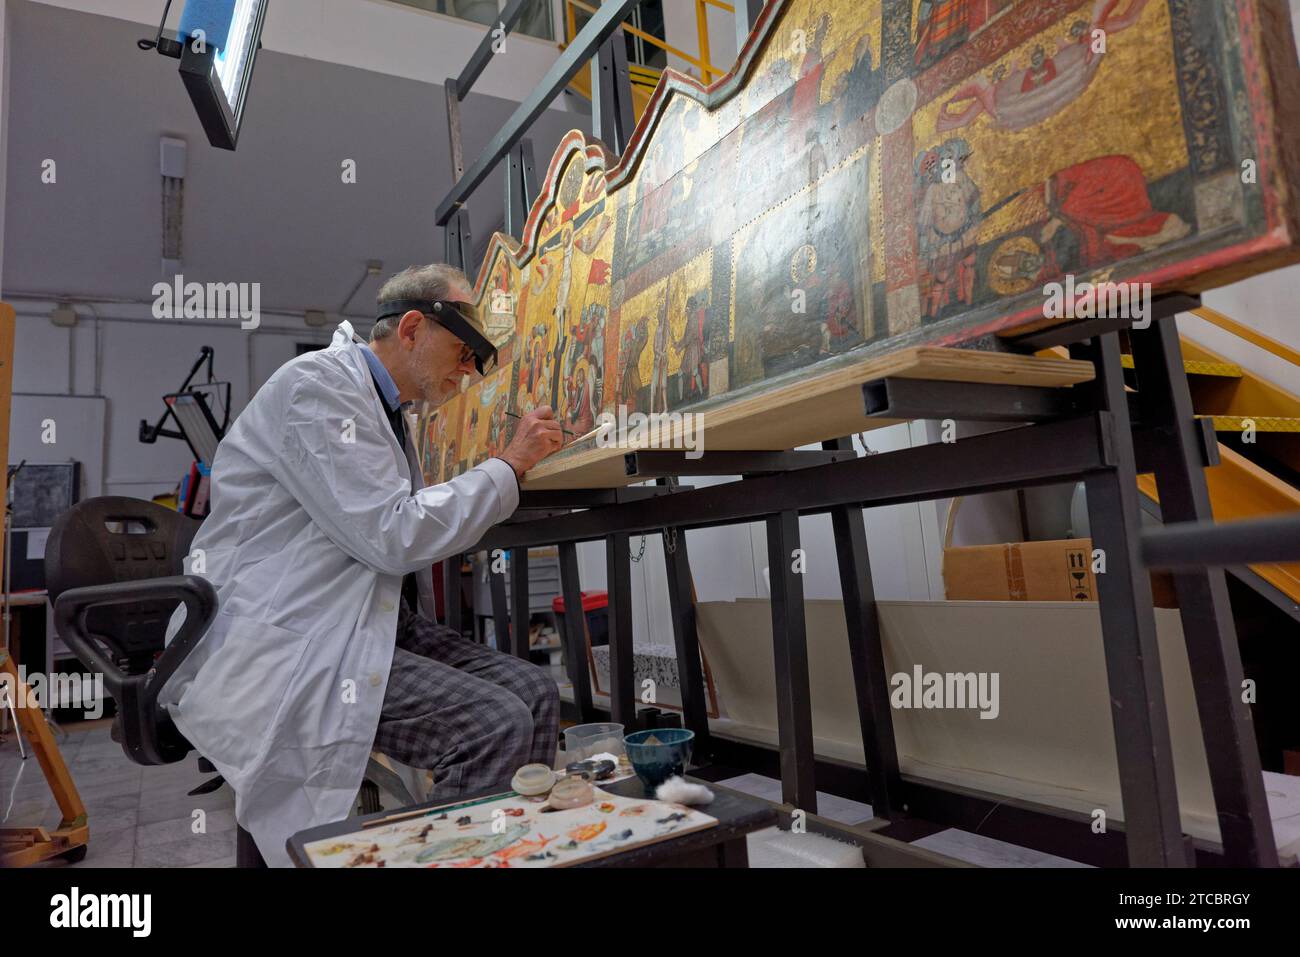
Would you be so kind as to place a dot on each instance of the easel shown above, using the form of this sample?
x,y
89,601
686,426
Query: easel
x,y
1097,433
24,846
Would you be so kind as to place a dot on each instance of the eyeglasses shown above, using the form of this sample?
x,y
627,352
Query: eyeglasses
x,y
466,353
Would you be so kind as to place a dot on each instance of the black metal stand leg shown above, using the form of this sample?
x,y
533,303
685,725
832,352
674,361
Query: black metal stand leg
x,y
790,648
1209,630
1146,769
866,656
500,612
451,591
520,605
622,676
458,239
575,631
690,673
246,852
613,115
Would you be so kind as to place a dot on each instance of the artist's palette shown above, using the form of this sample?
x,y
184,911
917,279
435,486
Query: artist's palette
x,y
510,830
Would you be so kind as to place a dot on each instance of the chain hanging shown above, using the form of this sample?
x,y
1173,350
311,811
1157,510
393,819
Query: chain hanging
x,y
640,552
862,437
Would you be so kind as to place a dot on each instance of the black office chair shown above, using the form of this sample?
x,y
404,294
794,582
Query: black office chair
x,y
114,571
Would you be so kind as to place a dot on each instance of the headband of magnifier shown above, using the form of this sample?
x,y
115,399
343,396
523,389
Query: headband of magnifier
x,y
458,317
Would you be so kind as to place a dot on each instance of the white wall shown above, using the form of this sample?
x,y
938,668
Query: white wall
x,y
136,361
1269,304
372,35
728,562
681,31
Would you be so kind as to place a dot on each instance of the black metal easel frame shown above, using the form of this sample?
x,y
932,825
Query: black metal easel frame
x,y
1086,433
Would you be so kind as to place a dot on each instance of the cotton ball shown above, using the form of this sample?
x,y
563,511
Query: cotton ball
x,y
677,790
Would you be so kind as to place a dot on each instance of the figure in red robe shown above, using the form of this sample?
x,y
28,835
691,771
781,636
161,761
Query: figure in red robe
x,y
695,367
1042,70
1105,205
807,88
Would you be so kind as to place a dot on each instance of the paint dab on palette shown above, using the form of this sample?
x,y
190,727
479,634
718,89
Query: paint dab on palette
x,y
510,831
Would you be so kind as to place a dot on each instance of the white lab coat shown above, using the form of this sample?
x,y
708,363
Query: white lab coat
x,y
313,525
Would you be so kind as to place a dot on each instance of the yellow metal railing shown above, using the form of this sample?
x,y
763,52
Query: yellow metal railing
x,y
702,27
1279,349
644,75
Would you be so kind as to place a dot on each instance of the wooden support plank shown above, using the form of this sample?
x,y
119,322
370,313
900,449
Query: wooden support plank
x,y
824,406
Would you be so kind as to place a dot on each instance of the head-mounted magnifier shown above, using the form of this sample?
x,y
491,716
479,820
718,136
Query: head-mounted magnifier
x,y
458,317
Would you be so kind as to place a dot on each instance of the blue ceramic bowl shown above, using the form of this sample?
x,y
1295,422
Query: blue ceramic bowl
x,y
656,763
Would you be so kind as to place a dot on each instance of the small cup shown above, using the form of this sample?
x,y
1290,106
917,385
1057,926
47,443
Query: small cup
x,y
533,779
571,792
655,763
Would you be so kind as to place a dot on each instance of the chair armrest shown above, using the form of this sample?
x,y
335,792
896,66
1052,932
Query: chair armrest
x,y
72,606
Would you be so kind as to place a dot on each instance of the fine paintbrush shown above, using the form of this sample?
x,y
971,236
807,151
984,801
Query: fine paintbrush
x,y
516,415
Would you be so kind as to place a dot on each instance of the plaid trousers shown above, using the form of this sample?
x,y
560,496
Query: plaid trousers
x,y
467,713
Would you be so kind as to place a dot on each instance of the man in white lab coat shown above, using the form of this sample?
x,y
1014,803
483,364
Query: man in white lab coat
x,y
319,543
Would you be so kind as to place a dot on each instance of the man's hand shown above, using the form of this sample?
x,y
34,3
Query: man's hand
x,y
538,435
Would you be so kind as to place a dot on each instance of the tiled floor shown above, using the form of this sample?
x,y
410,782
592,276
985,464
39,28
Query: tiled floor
x,y
987,852
144,817
828,805
139,816
962,845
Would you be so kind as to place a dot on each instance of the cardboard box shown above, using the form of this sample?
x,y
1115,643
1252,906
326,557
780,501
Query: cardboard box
x,y
1058,570
1021,571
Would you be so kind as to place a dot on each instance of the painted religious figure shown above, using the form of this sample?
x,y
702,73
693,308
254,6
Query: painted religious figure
x,y
694,366
635,339
948,217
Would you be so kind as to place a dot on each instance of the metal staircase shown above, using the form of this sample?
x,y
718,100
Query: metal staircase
x,y
645,78
1257,424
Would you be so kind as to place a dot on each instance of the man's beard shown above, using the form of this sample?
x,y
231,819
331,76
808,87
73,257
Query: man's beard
x,y
437,393
433,391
